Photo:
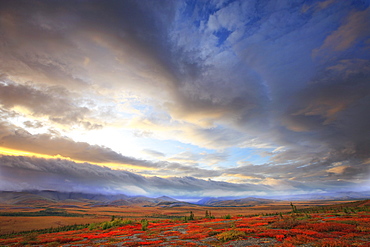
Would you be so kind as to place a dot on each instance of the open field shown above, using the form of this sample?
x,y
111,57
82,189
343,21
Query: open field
x,y
346,224
82,214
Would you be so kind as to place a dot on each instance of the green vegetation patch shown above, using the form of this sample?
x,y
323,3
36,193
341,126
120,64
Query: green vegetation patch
x,y
231,235
109,224
74,227
45,212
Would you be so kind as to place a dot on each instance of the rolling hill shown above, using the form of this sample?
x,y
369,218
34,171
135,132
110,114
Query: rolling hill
x,y
49,196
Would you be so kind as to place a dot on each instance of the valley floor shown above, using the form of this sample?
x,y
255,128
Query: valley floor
x,y
347,225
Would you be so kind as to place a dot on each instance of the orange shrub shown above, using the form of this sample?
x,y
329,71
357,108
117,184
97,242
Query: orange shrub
x,y
328,227
299,239
279,237
287,223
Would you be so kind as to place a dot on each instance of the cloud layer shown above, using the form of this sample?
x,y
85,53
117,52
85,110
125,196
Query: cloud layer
x,y
262,93
38,173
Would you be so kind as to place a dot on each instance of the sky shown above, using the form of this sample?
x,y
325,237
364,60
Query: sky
x,y
185,98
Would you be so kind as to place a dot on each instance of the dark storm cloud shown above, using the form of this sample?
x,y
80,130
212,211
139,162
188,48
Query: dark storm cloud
x,y
33,43
329,117
316,174
58,173
203,187
92,46
66,175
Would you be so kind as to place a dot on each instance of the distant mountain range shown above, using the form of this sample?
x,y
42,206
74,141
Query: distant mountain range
x,y
244,202
348,195
252,201
49,196
42,197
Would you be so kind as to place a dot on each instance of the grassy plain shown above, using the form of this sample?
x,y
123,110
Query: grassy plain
x,y
337,225
84,214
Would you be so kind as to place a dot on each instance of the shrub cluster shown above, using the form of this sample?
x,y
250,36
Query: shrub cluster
x,y
109,224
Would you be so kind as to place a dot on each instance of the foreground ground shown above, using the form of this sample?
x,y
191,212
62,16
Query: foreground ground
x,y
339,225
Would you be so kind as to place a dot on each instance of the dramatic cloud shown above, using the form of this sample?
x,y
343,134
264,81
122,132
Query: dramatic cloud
x,y
269,93
53,102
55,145
37,173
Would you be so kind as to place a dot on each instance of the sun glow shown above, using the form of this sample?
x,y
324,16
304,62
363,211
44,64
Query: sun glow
x,y
113,166
13,152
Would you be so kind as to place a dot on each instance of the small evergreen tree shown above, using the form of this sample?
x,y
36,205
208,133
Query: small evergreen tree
x,y
191,217
294,208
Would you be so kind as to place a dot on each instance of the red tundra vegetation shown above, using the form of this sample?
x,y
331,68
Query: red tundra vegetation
x,y
342,226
